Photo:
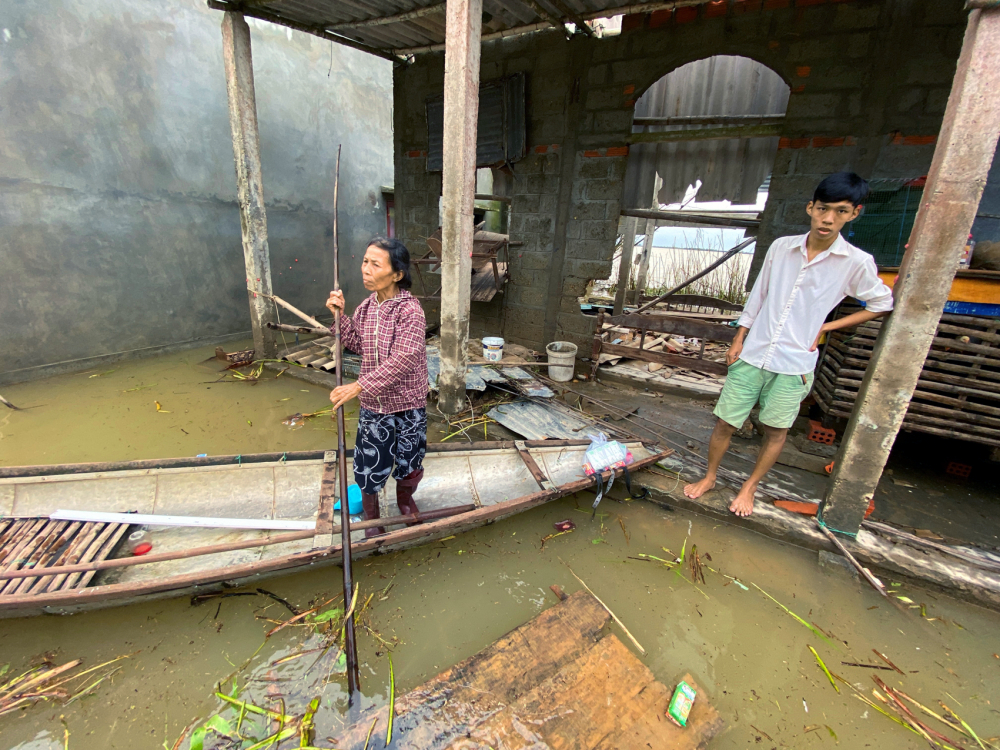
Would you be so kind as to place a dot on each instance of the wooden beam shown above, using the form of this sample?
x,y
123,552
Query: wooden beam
x,y
708,134
708,120
672,360
487,197
238,62
692,329
458,181
955,185
625,265
647,245
689,217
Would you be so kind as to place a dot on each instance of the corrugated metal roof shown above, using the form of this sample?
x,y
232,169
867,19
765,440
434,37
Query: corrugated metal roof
x,y
730,169
402,27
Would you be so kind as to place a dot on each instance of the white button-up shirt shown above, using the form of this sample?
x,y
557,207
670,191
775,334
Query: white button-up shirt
x,y
792,297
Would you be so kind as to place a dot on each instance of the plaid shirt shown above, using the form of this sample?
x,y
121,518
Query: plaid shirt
x,y
390,338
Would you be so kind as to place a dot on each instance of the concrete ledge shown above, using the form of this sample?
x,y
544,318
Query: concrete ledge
x,y
887,559
76,365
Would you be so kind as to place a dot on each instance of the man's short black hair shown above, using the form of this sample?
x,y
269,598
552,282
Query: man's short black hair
x,y
399,257
842,186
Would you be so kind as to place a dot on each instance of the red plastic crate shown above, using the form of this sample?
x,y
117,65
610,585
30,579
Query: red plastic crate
x,y
820,434
958,470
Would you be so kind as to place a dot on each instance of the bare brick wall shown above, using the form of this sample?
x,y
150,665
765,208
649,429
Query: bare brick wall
x,y
869,85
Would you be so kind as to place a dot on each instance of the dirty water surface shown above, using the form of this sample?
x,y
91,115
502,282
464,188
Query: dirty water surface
x,y
433,606
180,404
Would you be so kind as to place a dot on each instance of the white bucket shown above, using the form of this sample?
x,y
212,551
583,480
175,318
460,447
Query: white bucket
x,y
492,348
562,359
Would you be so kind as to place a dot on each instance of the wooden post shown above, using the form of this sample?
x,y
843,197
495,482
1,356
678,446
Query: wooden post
x,y
647,246
461,112
625,266
964,151
238,62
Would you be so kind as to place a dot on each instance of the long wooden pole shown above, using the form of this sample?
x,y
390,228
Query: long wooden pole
x,y
350,644
292,309
238,63
625,264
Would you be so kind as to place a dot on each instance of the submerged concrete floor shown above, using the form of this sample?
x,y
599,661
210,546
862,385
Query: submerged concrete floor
x,y
915,491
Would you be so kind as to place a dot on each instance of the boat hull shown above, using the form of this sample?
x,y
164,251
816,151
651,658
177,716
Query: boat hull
x,y
481,472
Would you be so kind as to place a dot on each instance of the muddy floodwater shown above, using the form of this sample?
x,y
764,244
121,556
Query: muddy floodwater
x,y
435,605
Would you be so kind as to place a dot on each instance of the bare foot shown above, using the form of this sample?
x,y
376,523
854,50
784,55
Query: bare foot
x,y
699,488
742,504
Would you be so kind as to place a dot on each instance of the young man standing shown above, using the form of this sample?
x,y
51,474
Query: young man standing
x,y
772,358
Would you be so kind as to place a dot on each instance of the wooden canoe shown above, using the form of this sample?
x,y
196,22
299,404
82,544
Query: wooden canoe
x,y
58,566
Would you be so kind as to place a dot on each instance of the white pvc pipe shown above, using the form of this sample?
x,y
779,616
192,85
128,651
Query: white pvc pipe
x,y
150,519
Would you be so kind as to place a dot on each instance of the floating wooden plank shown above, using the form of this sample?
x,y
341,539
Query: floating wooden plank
x,y
554,682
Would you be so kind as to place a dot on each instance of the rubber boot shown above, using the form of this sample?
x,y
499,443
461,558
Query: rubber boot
x,y
404,493
370,504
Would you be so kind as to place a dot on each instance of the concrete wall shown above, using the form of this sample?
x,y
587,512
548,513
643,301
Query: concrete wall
x,y
869,85
120,227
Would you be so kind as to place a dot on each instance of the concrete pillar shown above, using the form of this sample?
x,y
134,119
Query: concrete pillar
x,y
955,184
458,187
238,62
625,266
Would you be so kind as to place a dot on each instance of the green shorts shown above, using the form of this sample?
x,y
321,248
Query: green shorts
x,y
779,395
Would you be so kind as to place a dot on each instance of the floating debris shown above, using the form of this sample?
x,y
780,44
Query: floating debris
x,y
813,628
392,701
825,670
37,684
885,658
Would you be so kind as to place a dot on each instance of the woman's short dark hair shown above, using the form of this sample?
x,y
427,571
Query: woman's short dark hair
x,y
399,257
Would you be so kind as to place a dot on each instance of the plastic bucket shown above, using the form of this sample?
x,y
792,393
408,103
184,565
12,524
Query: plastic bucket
x,y
562,359
492,348
353,500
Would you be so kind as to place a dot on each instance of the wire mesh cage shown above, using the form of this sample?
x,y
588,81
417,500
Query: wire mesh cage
x,y
883,229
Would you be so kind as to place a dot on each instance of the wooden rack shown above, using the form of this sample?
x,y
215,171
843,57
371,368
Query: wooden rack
x,y
958,393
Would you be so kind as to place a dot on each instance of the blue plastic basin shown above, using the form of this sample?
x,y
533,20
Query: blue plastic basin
x,y
353,500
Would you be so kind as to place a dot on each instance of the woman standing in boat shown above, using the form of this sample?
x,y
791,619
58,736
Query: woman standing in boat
x,y
388,330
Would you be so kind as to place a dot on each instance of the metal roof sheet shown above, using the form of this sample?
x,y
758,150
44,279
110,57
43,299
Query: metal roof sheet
x,y
396,28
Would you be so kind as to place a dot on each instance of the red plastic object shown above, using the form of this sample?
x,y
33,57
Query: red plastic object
x,y
820,434
958,470
142,549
